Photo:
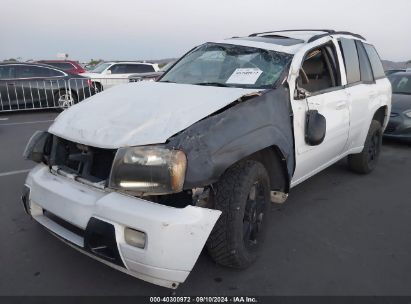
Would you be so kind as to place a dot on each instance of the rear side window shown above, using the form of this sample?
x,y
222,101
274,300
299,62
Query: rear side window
x,y
28,71
365,66
375,60
352,67
6,72
139,68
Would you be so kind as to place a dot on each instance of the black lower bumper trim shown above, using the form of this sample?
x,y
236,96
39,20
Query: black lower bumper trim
x,y
100,240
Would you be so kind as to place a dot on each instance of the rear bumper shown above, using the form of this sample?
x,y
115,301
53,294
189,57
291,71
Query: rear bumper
x,y
174,237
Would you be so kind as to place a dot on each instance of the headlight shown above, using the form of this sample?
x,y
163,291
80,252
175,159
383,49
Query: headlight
x,y
148,170
408,114
37,146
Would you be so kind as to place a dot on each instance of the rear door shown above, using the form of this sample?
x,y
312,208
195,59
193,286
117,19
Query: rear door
x,y
360,88
328,97
118,75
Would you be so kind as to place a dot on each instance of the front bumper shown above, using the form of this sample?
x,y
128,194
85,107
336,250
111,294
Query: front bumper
x,y
399,128
174,237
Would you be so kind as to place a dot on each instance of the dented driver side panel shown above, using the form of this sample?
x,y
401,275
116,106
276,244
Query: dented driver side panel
x,y
220,140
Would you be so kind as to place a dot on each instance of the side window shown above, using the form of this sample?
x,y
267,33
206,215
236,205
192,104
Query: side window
x,y
30,71
139,68
319,71
365,66
6,72
118,69
55,73
375,60
352,67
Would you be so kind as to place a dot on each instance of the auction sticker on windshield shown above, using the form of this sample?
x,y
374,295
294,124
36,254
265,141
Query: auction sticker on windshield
x,y
245,76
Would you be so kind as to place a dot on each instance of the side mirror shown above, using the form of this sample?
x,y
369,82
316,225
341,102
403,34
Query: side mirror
x,y
108,72
315,128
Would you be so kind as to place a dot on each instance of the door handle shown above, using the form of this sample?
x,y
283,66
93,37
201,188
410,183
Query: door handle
x,y
340,105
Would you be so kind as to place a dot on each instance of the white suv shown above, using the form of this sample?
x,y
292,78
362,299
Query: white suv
x,y
108,74
145,175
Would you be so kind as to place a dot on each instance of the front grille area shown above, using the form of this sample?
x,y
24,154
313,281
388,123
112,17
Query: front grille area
x,y
90,163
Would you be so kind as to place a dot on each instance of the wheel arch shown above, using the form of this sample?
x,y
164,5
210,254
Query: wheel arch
x,y
275,163
381,115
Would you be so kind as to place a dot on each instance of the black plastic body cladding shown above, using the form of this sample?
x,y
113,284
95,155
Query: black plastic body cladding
x,y
215,143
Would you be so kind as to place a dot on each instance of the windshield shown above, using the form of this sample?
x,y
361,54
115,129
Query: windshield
x,y
401,84
229,66
167,66
100,67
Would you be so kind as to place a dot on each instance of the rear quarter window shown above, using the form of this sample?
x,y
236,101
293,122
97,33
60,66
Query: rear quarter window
x,y
375,61
350,55
365,66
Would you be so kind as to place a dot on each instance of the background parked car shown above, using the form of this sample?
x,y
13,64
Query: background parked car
x,y
150,76
68,66
33,86
393,71
399,126
108,74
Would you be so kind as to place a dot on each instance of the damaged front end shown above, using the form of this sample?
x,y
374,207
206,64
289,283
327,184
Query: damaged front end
x,y
154,237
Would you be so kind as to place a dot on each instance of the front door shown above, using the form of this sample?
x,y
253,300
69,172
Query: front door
x,y
320,78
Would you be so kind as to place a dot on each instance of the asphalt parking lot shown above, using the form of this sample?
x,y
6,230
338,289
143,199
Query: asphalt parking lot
x,y
338,234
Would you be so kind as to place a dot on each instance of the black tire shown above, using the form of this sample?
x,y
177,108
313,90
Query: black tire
x,y
60,94
367,160
236,237
98,87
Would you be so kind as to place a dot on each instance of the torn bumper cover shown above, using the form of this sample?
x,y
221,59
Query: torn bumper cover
x,y
95,222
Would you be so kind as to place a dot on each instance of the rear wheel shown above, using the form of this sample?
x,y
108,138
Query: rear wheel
x,y
65,99
242,194
367,160
98,87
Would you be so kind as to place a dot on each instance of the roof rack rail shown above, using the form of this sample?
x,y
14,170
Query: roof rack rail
x,y
299,30
316,37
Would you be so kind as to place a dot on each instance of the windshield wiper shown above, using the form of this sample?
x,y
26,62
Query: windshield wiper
x,y
215,84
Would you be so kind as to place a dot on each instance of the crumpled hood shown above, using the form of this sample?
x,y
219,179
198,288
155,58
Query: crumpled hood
x,y
141,113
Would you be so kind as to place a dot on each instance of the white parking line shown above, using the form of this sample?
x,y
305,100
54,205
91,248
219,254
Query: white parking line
x,y
14,172
26,122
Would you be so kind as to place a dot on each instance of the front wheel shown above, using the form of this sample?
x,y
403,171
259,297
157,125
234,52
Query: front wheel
x,y
366,161
242,194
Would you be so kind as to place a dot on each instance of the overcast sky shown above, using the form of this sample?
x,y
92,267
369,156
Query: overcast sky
x,y
154,29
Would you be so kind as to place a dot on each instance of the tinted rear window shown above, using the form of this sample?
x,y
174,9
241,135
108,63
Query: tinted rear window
x,y
375,60
365,66
139,68
352,67
65,66
29,71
